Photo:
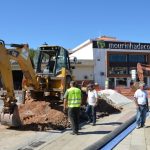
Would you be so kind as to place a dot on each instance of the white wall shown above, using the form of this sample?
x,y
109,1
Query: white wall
x,y
81,71
85,53
100,66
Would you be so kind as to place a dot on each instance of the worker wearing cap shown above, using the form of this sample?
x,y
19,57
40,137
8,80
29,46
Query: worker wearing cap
x,y
92,102
72,100
141,101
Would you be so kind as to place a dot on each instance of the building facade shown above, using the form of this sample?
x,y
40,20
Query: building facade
x,y
17,76
111,61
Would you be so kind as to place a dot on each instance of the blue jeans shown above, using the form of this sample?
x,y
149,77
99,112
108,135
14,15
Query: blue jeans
x,y
141,115
91,112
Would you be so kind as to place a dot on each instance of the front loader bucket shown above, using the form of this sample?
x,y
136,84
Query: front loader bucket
x,y
12,120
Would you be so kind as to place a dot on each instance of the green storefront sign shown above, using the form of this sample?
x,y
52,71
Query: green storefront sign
x,y
121,45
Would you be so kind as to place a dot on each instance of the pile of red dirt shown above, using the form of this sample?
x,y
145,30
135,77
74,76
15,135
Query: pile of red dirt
x,y
38,115
41,115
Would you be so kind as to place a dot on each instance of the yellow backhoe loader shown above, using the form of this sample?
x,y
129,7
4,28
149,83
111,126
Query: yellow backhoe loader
x,y
50,77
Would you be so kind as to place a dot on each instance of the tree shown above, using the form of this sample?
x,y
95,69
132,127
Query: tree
x,y
32,53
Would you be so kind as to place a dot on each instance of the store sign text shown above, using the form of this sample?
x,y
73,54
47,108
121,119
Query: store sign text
x,y
121,45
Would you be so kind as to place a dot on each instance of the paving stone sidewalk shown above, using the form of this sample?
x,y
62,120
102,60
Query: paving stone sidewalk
x,y
90,134
138,139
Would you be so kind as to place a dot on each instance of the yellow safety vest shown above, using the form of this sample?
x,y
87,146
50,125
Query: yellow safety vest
x,y
74,97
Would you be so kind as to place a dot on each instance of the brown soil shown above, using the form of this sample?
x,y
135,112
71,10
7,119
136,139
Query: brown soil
x,y
39,115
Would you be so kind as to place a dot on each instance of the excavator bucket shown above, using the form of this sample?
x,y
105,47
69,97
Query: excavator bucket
x,y
12,120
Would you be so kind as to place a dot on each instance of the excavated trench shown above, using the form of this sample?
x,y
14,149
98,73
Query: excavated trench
x,y
42,116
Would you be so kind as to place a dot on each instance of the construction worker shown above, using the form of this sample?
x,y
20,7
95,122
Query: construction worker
x,y
92,103
72,100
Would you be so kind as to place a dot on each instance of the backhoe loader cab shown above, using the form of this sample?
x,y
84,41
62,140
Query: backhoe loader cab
x,y
53,65
52,59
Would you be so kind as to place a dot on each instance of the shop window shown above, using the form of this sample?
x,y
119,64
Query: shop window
x,y
111,83
137,58
121,64
117,58
118,70
121,81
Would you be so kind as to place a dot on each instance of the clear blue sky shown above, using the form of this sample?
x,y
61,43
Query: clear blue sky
x,y
70,22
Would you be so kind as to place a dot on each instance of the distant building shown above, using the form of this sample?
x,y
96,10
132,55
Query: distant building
x,y
17,76
108,60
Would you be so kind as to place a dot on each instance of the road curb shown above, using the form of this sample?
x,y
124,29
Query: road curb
x,y
106,139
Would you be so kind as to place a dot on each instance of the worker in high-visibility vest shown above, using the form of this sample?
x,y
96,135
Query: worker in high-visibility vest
x,y
72,100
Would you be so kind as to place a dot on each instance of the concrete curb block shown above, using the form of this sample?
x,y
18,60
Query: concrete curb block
x,y
102,142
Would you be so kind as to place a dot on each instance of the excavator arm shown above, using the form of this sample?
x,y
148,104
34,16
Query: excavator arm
x,y
19,53
7,79
140,70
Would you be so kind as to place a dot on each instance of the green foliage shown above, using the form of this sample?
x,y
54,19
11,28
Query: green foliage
x,y
32,53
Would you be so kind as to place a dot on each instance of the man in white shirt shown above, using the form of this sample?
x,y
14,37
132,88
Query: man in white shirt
x,y
141,101
92,102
